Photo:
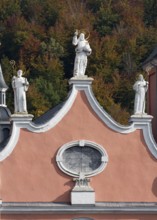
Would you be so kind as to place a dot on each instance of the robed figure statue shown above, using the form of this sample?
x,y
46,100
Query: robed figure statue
x,y
140,87
20,87
82,51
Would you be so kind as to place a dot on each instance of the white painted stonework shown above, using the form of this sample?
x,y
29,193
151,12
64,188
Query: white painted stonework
x,y
82,84
82,143
82,51
140,87
82,198
20,87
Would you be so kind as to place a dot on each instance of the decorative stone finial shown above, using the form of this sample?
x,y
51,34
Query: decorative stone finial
x,y
140,87
82,51
82,183
3,88
82,193
20,87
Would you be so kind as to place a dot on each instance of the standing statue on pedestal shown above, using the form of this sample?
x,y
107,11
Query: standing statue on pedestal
x,y
82,51
140,87
20,87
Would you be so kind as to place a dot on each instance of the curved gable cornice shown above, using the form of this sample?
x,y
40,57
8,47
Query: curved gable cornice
x,y
84,84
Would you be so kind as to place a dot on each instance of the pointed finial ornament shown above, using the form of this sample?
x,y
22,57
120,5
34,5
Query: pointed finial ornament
x,y
3,85
3,88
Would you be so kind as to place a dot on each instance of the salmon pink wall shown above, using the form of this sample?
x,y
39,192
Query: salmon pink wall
x,y
70,217
30,173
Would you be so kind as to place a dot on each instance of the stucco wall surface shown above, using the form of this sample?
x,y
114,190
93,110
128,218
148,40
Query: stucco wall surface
x,y
30,173
71,217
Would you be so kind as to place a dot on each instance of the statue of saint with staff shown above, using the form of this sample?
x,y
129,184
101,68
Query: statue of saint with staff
x,y
82,51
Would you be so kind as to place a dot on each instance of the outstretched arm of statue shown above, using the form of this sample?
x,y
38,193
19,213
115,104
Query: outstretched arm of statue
x,y
26,85
75,39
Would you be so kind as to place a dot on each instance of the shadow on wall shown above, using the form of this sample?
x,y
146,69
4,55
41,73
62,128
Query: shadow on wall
x,y
4,137
154,187
146,147
68,183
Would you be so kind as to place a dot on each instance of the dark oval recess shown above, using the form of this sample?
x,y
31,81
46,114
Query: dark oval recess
x,y
81,159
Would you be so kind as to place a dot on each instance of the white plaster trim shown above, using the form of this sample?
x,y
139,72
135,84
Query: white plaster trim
x,y
99,208
104,157
53,121
3,105
11,143
83,198
104,116
3,89
25,121
149,139
4,122
140,122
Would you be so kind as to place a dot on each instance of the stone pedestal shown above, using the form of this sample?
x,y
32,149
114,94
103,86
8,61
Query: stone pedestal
x,y
21,118
141,118
84,80
82,193
83,198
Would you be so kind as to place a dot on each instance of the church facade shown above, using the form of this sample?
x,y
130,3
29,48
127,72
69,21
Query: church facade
x,y
76,162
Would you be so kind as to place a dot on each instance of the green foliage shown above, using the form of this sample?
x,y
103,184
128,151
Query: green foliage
x,y
9,8
106,21
37,35
51,48
40,12
94,5
150,15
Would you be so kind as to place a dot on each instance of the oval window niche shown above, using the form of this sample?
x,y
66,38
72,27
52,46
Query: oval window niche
x,y
82,157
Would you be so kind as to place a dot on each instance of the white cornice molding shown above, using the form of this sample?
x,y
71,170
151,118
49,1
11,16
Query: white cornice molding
x,y
99,208
142,122
54,120
11,143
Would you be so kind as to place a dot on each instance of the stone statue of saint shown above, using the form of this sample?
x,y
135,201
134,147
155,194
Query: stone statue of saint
x,y
140,87
20,87
82,51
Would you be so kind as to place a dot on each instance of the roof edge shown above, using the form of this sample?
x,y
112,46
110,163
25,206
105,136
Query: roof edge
x,y
141,122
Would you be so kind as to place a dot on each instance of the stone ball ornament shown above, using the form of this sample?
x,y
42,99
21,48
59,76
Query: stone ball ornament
x,y
81,157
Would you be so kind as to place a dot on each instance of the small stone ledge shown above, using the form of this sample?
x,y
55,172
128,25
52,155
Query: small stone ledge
x,y
83,80
141,118
21,118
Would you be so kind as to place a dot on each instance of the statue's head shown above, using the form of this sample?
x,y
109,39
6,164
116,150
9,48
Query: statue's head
x,y
140,77
82,36
19,73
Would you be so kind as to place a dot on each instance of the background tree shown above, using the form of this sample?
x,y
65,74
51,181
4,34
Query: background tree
x,y
37,35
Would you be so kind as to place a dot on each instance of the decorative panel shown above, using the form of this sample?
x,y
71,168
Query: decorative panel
x,y
82,157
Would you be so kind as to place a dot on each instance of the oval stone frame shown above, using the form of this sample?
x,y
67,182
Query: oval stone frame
x,y
82,143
